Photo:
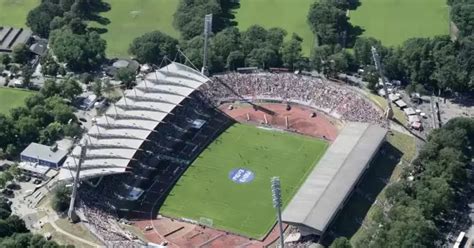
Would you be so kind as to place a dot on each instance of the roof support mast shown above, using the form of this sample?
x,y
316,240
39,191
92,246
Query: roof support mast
x,y
389,111
71,212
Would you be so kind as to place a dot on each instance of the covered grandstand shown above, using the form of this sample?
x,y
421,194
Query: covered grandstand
x,y
116,136
331,182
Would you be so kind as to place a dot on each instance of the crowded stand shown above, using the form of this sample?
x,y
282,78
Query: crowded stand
x,y
334,99
156,166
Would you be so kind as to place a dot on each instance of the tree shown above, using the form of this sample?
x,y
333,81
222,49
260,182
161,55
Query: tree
x,y
51,133
27,129
341,61
462,15
80,52
49,65
341,242
320,57
26,73
126,76
7,131
291,52
70,88
274,38
262,57
371,76
327,22
4,213
50,88
16,224
39,18
62,113
21,54
254,37
61,198
235,59
153,47
225,42
5,59
363,50
97,88
189,15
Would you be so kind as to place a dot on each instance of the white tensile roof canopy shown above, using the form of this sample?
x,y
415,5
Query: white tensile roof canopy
x,y
117,135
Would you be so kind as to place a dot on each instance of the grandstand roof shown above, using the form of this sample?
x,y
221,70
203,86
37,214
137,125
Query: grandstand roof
x,y
331,181
116,136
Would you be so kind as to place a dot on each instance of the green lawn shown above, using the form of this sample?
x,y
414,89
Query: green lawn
x,y
287,14
10,98
13,12
205,190
132,18
394,21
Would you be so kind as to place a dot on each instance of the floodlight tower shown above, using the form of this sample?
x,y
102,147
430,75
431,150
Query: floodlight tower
x,y
207,32
276,195
71,212
378,66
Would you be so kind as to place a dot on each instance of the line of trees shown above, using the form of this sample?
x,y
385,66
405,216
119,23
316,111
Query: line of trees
x,y
65,22
436,64
421,204
229,48
45,118
13,232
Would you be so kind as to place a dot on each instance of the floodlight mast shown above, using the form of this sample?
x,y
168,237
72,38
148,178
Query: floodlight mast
x,y
207,32
276,196
378,66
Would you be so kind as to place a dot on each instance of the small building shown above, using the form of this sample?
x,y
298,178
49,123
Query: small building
x,y
43,155
40,47
10,37
409,111
34,169
401,104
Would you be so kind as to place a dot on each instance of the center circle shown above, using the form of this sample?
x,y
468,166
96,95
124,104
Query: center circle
x,y
241,175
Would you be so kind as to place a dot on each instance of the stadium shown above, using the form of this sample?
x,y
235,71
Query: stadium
x,y
191,149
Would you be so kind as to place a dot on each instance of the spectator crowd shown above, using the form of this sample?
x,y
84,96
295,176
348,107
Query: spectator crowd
x,y
337,100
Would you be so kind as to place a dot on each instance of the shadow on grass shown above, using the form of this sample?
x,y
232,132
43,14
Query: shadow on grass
x,y
351,216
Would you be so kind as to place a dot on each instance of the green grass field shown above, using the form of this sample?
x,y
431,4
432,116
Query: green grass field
x,y
10,98
205,190
287,14
13,12
394,21
132,18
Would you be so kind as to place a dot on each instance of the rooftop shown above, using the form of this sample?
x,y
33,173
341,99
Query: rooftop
x,y
331,181
116,136
45,153
10,37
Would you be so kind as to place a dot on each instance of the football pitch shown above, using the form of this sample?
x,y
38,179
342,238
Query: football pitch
x,y
11,98
291,15
13,12
132,18
395,21
228,185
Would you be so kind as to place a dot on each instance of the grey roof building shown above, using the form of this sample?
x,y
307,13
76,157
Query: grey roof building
x,y
43,155
10,37
330,183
